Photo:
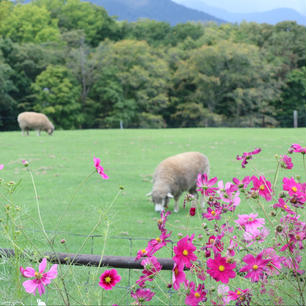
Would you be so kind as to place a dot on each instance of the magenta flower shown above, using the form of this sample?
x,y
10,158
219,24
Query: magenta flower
x,y
151,268
263,187
284,206
184,252
274,266
162,221
205,185
212,214
291,186
255,266
99,168
285,162
142,295
195,296
244,183
156,244
1,166
215,243
178,277
109,279
297,149
250,222
247,156
192,211
256,235
40,279
240,295
220,269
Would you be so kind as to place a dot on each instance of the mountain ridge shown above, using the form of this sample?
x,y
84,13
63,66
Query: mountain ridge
x,y
159,10
270,16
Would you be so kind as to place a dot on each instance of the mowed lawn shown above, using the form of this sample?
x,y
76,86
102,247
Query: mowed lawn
x,y
60,163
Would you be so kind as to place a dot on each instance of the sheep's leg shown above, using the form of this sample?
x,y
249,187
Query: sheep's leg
x,y
27,132
202,201
38,132
176,205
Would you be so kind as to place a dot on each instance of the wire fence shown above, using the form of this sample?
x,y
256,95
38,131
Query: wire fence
x,y
92,260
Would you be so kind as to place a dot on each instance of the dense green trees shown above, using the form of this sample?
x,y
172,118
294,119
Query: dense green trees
x,y
84,69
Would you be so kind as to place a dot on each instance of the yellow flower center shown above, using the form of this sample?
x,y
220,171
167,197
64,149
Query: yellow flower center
x,y
197,295
211,241
238,292
298,237
158,239
221,268
38,275
250,219
285,206
143,251
107,279
176,271
262,187
185,252
255,267
213,212
294,189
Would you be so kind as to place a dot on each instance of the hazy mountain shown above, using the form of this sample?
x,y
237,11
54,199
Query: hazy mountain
x,y
272,17
160,10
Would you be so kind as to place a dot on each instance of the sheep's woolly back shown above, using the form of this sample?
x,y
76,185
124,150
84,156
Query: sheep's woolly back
x,y
178,173
35,121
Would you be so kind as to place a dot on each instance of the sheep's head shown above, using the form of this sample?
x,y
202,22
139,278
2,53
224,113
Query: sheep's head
x,y
50,130
160,199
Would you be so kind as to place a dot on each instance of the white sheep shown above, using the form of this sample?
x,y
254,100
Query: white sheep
x,y
34,121
175,175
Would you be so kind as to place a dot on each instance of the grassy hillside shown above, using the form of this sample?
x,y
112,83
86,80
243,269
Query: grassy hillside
x,y
72,202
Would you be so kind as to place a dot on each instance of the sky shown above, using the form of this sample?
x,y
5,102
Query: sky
x,y
247,6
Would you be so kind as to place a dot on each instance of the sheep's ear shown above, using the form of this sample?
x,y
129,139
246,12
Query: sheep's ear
x,y
169,195
149,194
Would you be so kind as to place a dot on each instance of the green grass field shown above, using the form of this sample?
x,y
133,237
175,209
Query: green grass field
x,y
62,162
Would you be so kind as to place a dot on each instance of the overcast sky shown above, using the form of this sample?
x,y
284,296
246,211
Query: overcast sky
x,y
245,6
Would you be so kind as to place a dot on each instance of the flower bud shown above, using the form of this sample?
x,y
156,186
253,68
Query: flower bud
x,y
25,163
279,228
63,241
272,213
192,211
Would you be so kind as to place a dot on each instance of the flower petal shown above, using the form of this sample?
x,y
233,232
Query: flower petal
x,y
30,286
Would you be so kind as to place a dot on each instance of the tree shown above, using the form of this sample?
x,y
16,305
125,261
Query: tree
x,y
57,95
293,98
133,78
7,103
30,23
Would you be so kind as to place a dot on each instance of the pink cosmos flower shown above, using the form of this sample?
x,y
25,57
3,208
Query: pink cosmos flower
x,y
99,168
284,206
178,277
263,187
256,235
297,149
40,279
255,266
109,279
162,221
244,183
240,295
285,162
184,252
250,222
229,194
142,295
220,270
215,243
291,186
212,214
274,266
151,268
1,166
195,296
205,185
156,244
247,156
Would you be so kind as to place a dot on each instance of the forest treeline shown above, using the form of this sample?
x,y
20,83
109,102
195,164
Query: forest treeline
x,y
84,69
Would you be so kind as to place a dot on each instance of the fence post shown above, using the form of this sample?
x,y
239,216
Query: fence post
x,y
295,119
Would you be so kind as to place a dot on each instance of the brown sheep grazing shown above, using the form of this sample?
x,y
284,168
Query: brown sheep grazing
x,y
175,175
34,121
